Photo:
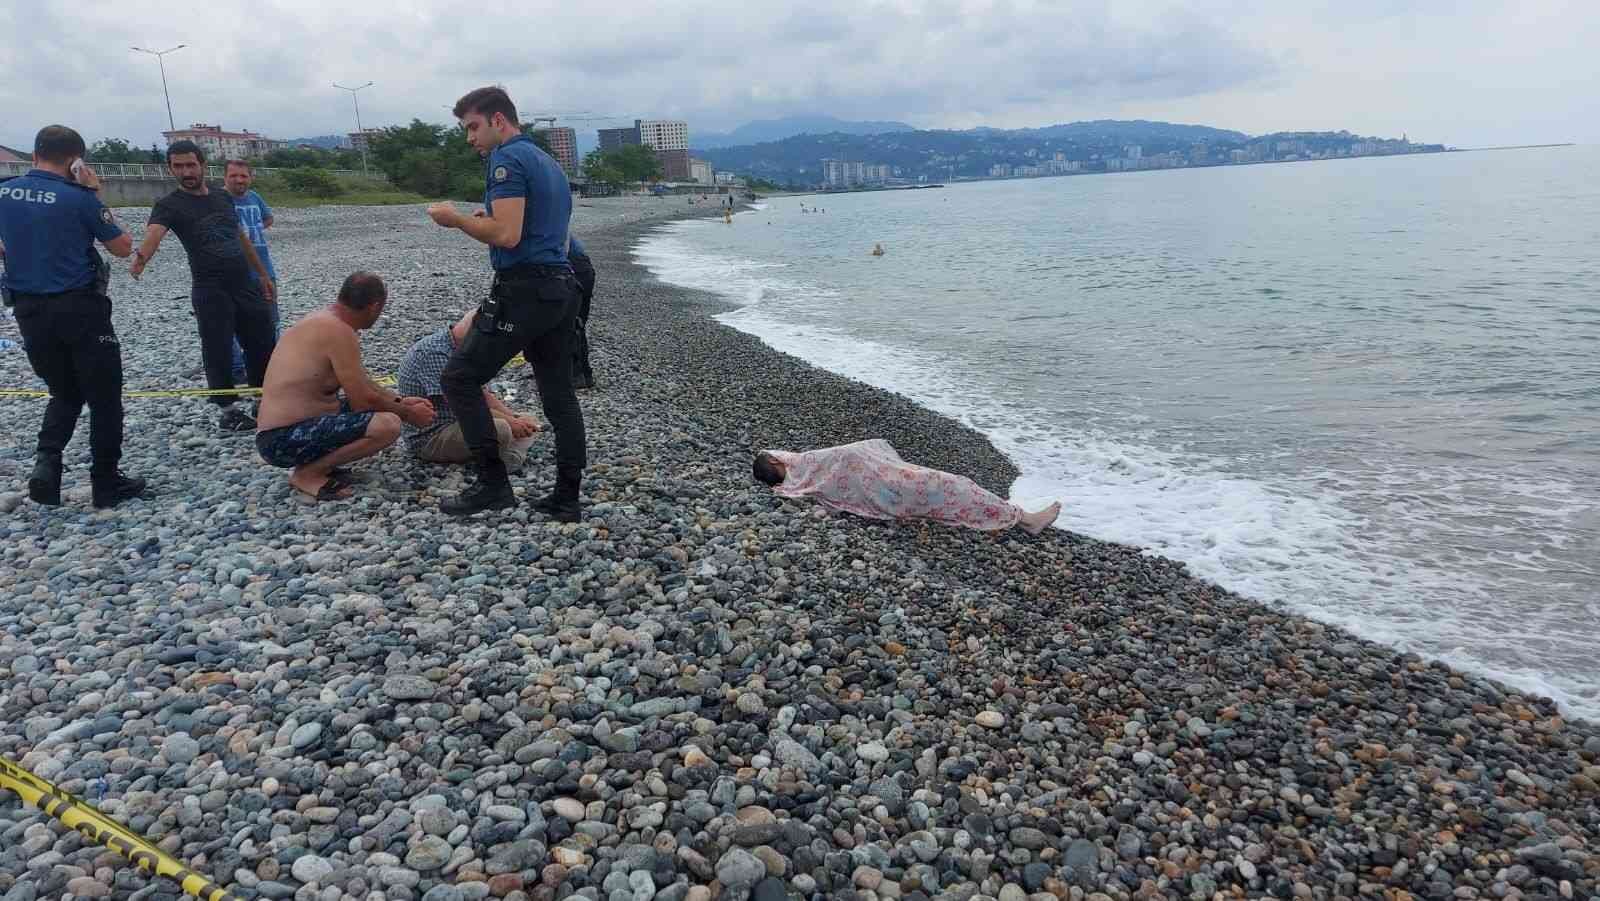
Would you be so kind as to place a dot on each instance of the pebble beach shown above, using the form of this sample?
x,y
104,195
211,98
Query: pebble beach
x,y
701,690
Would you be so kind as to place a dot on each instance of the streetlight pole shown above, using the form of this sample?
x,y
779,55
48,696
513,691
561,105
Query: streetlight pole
x,y
359,130
158,54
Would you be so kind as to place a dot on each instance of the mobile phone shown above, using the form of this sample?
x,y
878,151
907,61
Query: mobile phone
x,y
77,167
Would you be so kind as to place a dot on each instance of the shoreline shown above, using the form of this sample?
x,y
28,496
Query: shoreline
x,y
702,684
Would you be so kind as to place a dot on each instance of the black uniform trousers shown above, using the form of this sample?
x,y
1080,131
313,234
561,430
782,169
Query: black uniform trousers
x,y
225,311
73,348
584,270
532,310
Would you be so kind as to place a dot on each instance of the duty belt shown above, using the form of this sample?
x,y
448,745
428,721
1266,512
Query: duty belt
x,y
24,295
528,271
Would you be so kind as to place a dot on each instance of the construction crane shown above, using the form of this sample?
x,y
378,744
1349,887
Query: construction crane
x,y
549,119
581,116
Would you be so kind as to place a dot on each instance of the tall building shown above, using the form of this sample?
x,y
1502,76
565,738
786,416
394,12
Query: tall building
x,y
617,138
563,146
361,141
850,174
701,173
843,173
663,134
674,164
669,138
833,173
219,144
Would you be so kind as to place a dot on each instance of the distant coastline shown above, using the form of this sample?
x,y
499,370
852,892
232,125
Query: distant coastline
x,y
1511,147
968,179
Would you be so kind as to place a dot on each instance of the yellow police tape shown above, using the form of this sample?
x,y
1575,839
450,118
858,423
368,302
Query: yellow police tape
x,y
177,392
387,381
77,814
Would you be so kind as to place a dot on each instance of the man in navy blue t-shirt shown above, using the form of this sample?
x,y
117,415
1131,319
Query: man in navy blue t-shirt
x,y
532,305
49,222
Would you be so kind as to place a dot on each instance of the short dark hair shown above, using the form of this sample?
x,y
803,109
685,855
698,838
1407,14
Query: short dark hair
x,y
361,290
487,101
765,469
57,144
178,148
244,163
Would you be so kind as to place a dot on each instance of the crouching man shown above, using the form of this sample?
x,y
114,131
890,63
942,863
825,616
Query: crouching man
x,y
304,426
442,441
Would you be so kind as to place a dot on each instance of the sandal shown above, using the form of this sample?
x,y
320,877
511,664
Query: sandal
x,y
331,490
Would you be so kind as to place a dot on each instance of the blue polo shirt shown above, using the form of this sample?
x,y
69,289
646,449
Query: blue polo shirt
x,y
518,168
253,215
49,226
575,250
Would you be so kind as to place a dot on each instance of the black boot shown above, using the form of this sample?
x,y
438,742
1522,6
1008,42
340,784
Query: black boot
x,y
490,491
44,486
114,487
562,503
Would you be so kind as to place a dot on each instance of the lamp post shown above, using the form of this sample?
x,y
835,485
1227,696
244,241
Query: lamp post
x,y
158,54
359,130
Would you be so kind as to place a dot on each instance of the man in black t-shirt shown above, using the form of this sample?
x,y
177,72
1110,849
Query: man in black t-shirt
x,y
227,303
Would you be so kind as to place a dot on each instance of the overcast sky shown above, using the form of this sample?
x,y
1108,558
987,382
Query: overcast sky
x,y
1462,72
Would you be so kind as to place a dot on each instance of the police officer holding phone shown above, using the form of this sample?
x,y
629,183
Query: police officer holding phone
x,y
532,306
49,221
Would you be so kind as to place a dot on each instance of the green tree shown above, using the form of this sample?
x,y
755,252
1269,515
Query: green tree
x,y
428,159
311,157
624,165
597,168
637,162
290,158
312,181
114,150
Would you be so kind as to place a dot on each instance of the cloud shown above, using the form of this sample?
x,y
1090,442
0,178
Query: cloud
x,y
1251,64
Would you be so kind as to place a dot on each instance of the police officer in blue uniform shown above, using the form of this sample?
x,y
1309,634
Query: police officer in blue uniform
x,y
532,306
49,221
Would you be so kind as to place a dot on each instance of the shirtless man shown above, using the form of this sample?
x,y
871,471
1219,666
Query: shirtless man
x,y
303,425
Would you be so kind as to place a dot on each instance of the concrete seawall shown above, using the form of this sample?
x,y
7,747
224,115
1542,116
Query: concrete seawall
x,y
135,191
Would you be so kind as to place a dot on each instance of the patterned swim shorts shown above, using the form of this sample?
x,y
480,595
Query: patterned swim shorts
x,y
309,440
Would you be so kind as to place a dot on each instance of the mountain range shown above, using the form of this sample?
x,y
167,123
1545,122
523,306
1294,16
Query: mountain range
x,y
1094,146
763,130
329,142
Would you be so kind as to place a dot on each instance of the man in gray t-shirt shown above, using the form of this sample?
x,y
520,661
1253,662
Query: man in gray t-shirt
x,y
442,442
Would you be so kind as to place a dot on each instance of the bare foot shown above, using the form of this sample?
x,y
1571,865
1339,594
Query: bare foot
x,y
1034,523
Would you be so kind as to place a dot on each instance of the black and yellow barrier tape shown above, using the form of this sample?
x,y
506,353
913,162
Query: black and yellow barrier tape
x,y
387,381
80,816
